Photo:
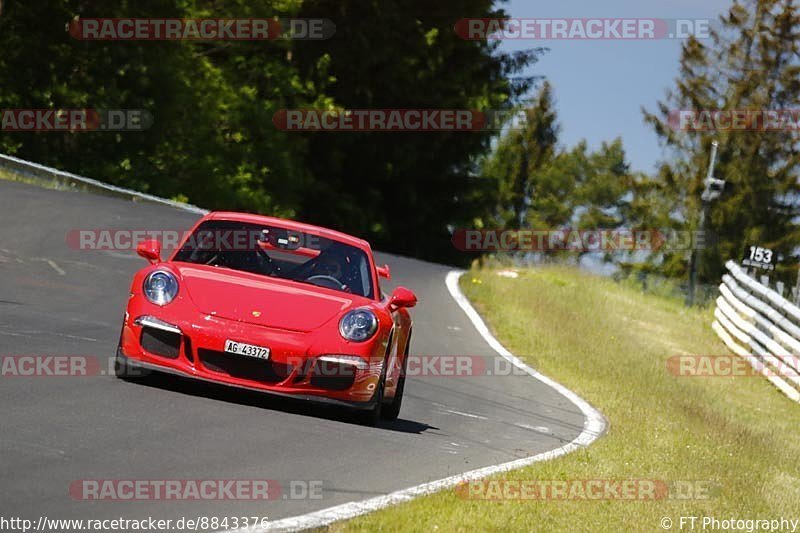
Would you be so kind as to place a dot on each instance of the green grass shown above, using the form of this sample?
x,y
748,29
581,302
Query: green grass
x,y
609,343
47,183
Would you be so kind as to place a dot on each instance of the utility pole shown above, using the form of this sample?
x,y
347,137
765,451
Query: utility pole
x,y
712,191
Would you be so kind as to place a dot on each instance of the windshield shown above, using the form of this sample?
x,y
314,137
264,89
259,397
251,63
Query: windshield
x,y
280,253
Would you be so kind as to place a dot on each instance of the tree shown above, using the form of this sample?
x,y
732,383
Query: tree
x,y
603,188
544,187
212,141
521,166
749,64
404,190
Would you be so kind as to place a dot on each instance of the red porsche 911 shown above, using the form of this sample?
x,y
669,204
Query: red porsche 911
x,y
275,306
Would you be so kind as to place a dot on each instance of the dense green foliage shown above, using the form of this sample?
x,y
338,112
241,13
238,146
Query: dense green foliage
x,y
540,185
213,141
749,63
212,103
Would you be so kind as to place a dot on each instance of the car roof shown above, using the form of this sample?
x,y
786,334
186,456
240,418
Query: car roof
x,y
290,225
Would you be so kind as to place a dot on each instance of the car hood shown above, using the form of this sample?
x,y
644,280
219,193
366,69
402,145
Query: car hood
x,y
260,300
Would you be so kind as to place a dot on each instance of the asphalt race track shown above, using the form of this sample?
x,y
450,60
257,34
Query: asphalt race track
x,y
55,299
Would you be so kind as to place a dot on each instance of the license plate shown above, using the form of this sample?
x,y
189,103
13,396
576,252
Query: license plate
x,y
240,348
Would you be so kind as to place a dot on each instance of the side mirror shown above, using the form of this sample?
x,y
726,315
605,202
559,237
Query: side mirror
x,y
402,297
384,272
150,250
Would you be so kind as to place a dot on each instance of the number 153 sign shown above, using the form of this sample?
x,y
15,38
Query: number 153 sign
x,y
759,257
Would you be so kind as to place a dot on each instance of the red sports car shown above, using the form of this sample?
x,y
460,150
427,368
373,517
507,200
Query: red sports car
x,y
275,306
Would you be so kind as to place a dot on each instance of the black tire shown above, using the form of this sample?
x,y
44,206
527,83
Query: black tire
x,y
392,410
371,417
125,371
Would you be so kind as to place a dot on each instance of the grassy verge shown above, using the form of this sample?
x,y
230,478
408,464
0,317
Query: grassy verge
x,y
46,183
610,344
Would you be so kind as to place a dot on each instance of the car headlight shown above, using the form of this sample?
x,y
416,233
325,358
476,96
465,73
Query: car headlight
x,y
160,287
358,325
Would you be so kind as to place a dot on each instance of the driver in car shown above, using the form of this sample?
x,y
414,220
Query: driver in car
x,y
328,265
331,263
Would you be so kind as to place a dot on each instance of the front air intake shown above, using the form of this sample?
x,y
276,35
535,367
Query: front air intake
x,y
162,343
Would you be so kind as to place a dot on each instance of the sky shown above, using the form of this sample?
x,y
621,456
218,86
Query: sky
x,y
601,86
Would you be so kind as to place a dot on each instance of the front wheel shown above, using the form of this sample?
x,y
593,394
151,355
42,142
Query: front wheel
x,y
392,410
371,416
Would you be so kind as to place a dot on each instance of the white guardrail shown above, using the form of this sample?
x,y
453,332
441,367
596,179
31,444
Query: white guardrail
x,y
30,171
761,326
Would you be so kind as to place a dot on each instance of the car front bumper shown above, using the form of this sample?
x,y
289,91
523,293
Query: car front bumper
x,y
195,349
135,364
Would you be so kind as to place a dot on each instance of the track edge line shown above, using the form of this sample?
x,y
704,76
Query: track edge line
x,y
593,428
